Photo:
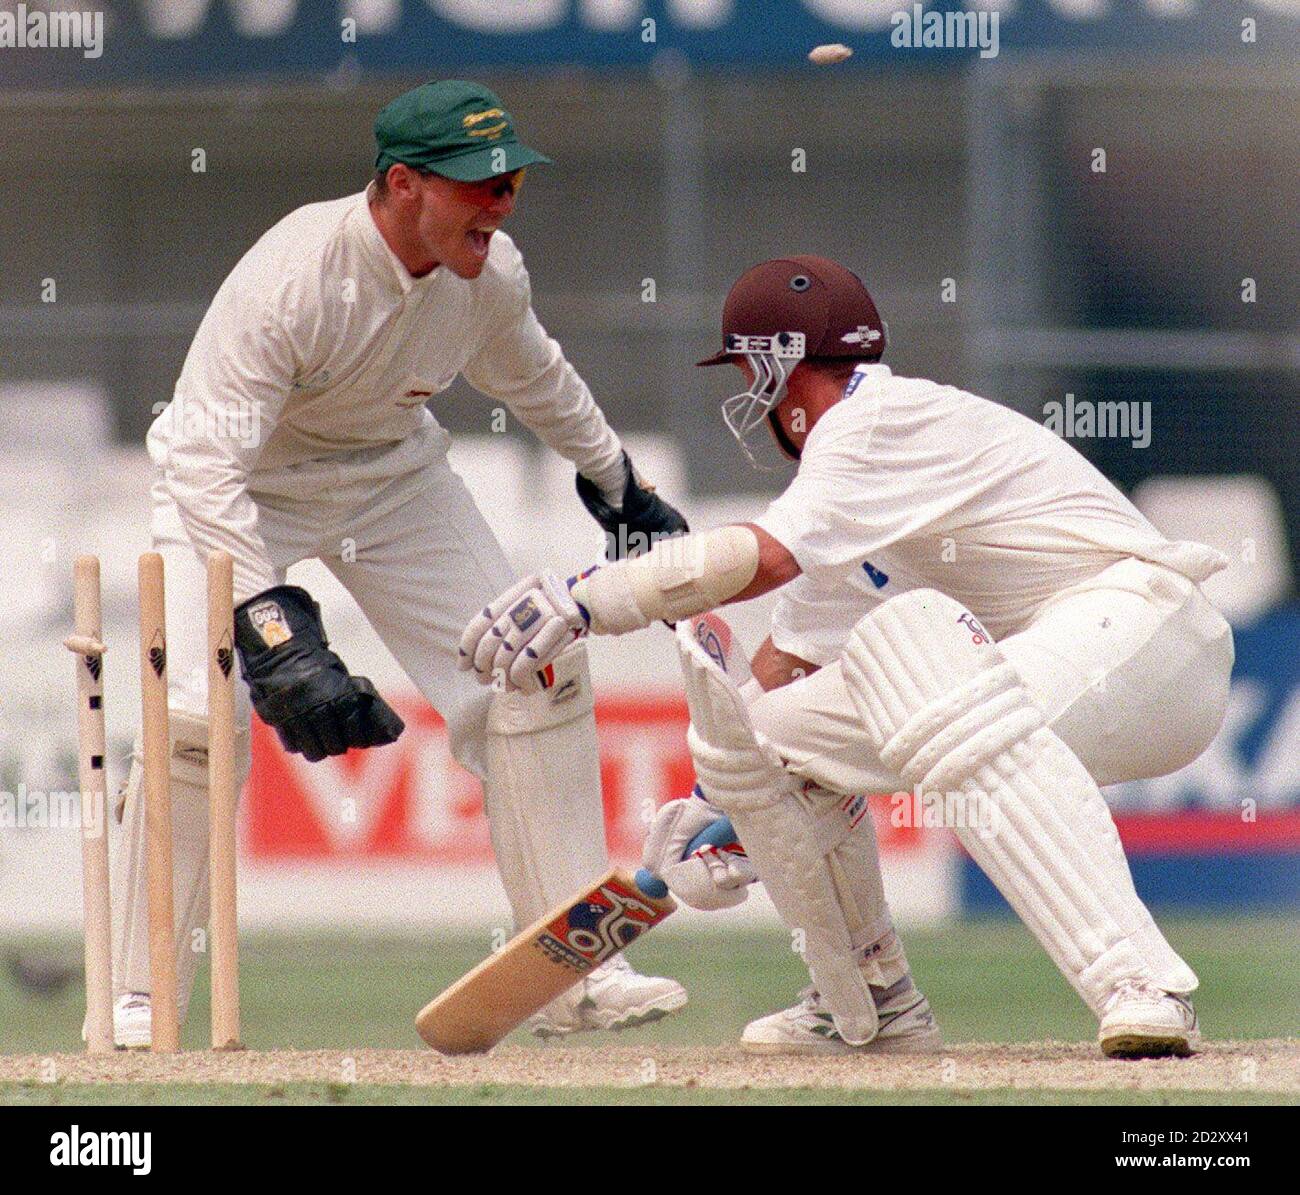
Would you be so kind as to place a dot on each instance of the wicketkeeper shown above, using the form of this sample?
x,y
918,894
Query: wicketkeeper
x,y
299,429
968,611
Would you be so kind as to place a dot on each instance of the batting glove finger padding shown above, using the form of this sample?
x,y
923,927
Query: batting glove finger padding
x,y
692,847
711,877
552,639
475,641
522,631
675,823
693,851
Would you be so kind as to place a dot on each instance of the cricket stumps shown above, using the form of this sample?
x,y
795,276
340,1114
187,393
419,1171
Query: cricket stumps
x,y
87,643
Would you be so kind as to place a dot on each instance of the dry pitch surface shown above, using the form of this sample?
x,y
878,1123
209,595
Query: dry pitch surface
x,y
1019,1033
1228,1067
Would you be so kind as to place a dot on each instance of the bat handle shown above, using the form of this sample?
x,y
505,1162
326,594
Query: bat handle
x,y
716,833
650,884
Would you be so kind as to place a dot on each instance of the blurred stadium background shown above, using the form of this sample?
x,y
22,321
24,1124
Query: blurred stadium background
x,y
964,190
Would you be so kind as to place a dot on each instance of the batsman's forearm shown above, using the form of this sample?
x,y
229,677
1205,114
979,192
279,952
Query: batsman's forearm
x,y
677,578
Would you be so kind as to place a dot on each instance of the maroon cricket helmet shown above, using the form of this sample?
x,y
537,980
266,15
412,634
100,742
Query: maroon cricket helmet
x,y
814,296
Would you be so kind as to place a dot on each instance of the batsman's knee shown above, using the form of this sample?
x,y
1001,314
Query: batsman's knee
x,y
567,698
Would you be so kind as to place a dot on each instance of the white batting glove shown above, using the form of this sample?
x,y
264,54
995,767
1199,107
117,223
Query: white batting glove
x,y
516,636
709,876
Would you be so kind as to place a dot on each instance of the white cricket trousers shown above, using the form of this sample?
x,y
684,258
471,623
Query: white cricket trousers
x,y
1130,667
399,529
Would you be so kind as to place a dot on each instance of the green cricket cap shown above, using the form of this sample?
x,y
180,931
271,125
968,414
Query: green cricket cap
x,y
454,128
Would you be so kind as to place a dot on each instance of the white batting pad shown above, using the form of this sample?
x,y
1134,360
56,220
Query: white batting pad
x,y
542,789
948,713
780,834
720,643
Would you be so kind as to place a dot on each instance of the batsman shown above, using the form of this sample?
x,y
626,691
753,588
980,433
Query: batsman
x,y
299,429
969,613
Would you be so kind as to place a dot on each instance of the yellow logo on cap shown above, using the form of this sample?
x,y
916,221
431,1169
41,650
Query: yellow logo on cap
x,y
492,132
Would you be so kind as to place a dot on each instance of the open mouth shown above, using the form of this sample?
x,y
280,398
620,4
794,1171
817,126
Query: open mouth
x,y
478,240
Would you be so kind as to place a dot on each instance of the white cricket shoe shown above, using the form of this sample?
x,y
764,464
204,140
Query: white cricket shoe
x,y
613,996
132,1022
907,1026
1141,1020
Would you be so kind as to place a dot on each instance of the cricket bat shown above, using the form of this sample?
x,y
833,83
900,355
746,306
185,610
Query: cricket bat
x,y
542,962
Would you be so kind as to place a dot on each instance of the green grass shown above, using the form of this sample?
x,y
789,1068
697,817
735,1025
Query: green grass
x,y
987,980
490,1095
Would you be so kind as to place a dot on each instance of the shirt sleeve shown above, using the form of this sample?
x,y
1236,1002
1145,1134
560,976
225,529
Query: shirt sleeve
x,y
523,367
232,388
814,623
867,480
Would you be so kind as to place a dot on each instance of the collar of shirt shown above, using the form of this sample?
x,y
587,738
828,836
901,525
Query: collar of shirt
x,y
378,249
862,387
865,375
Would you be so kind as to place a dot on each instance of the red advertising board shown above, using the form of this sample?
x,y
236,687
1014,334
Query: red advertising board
x,y
411,801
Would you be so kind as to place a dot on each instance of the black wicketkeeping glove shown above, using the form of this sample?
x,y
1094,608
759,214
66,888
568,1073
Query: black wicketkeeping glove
x,y
299,686
644,518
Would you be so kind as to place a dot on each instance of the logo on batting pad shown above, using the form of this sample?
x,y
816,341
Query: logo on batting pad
x,y
600,925
714,635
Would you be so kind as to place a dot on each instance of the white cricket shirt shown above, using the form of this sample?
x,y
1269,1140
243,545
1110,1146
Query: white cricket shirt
x,y
320,345
907,483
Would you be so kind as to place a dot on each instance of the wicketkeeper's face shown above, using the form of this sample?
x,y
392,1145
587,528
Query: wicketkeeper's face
x,y
455,221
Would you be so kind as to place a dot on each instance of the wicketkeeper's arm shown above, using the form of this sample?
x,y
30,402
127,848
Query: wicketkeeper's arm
x,y
228,399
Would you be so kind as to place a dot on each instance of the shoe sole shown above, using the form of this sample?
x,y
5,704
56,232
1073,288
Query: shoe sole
x,y
1136,1043
592,1021
914,1043
121,1047
129,1041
